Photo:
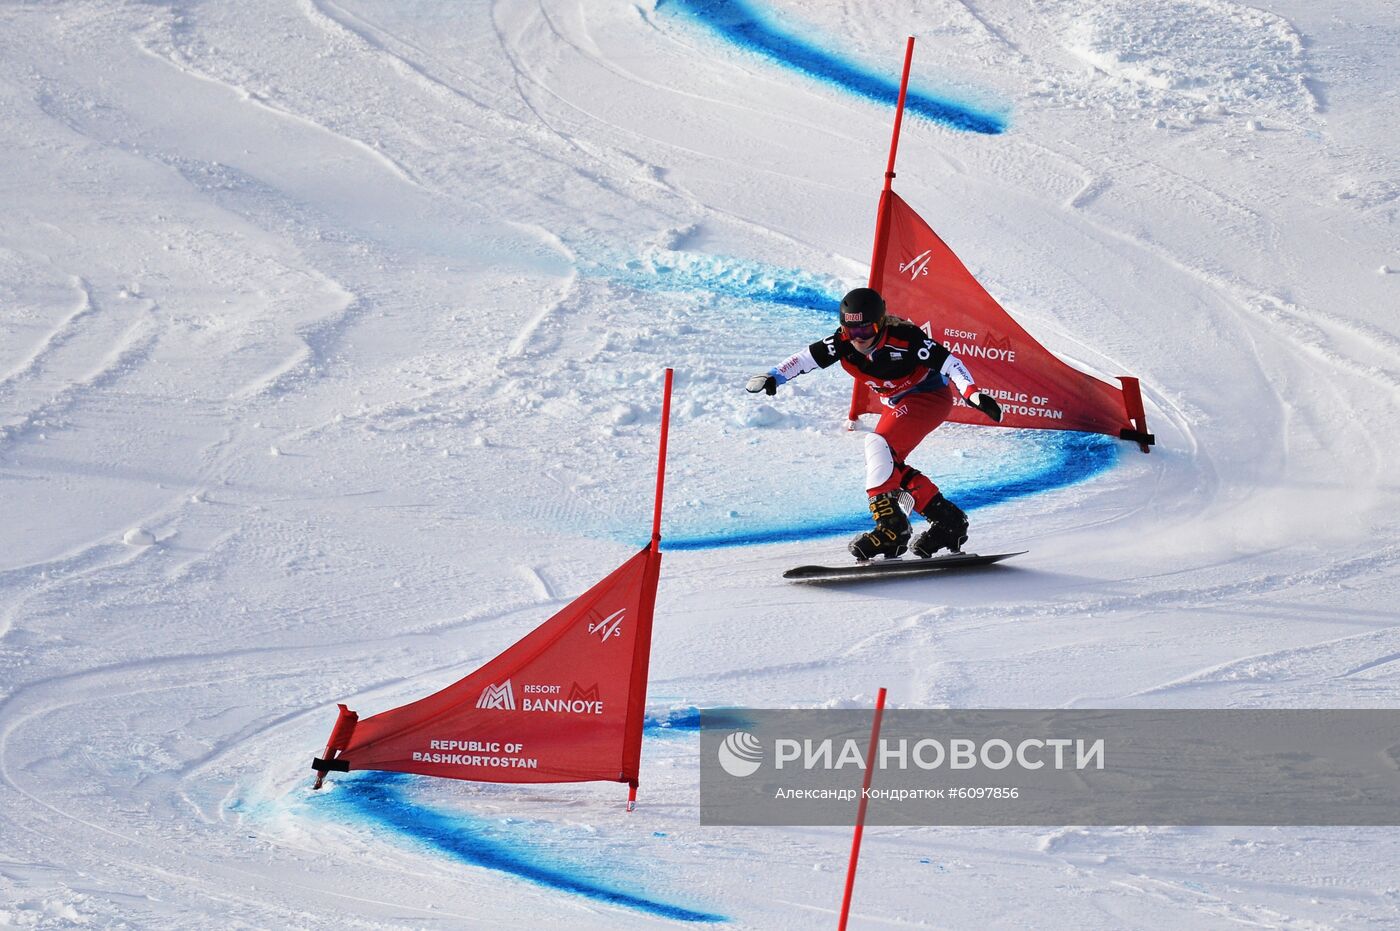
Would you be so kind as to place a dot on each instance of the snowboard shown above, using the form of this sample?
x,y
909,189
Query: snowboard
x,y
908,565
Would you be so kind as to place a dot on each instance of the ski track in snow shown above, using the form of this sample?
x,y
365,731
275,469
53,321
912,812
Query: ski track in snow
x,y
360,310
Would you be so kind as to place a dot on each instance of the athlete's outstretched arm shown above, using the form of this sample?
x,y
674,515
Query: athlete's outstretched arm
x,y
816,356
956,372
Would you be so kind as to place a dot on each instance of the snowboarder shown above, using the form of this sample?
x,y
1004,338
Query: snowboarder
x,y
911,373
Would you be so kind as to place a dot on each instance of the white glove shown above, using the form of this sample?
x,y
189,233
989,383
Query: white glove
x,y
759,383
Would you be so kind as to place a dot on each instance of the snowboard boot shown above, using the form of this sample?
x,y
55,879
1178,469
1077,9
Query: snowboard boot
x,y
890,538
947,528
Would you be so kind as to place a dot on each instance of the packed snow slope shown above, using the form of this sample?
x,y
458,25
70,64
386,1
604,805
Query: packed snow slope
x,y
359,310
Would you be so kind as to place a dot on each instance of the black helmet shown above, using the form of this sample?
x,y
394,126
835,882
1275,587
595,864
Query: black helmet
x,y
861,308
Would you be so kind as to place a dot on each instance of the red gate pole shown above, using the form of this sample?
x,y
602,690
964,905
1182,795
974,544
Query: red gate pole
x,y
661,461
340,736
860,813
645,648
882,216
882,220
1137,414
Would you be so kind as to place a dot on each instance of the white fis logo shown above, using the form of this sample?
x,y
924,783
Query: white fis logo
x,y
499,697
610,626
918,265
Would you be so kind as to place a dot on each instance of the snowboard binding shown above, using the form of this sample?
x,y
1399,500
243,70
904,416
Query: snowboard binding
x,y
890,538
947,528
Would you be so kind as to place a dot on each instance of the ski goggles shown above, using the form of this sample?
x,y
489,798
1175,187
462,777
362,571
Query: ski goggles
x,y
865,331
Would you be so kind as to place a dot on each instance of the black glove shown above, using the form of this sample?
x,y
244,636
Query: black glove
x,y
987,404
759,383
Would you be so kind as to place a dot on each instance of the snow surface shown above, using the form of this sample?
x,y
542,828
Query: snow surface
x,y
331,340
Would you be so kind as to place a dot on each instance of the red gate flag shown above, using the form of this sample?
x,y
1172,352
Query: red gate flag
x,y
923,281
563,704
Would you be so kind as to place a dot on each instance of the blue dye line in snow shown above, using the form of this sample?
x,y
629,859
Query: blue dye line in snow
x,y
749,282
678,720
378,798
1070,458
737,22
